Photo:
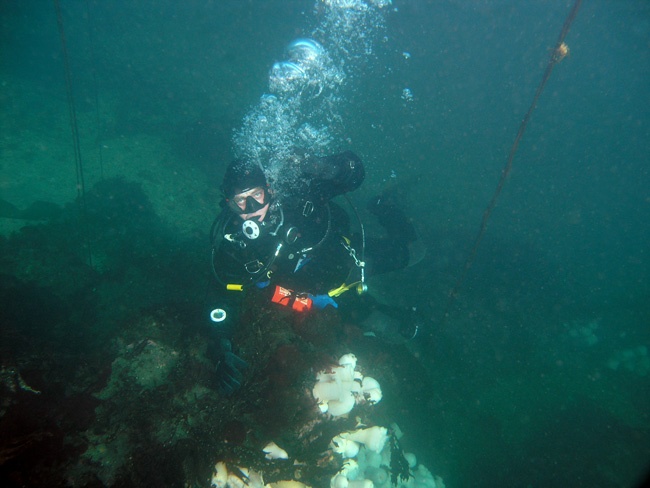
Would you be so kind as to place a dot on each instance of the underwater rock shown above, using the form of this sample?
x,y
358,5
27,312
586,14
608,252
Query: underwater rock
x,y
162,420
147,364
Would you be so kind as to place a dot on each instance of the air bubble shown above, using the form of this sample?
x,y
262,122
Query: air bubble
x,y
286,77
304,51
308,87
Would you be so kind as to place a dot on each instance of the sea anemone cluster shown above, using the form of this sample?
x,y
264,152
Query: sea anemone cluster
x,y
340,388
362,457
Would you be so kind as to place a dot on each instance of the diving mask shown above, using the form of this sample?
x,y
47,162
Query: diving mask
x,y
249,201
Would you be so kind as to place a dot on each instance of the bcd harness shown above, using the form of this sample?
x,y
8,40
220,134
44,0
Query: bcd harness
x,y
260,272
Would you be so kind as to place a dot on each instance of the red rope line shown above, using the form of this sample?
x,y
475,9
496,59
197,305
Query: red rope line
x,y
555,57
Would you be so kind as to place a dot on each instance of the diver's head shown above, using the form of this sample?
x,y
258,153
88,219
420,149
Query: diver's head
x,y
250,204
246,190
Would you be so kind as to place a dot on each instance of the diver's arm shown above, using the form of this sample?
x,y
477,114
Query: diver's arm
x,y
334,175
222,316
228,257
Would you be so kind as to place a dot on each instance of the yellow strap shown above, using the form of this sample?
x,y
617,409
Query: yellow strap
x,y
335,292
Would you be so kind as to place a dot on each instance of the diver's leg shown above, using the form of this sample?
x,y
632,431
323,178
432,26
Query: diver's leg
x,y
399,227
389,323
383,255
392,218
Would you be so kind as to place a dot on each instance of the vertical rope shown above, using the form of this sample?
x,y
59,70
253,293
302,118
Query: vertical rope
x,y
81,186
93,59
555,57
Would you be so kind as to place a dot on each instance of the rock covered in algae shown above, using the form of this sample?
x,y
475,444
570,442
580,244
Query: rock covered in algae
x,y
162,419
147,364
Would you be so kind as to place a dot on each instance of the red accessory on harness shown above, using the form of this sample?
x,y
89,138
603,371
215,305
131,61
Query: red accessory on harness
x,y
284,296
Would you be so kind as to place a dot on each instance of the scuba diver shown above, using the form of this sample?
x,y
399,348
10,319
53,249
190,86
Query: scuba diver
x,y
296,249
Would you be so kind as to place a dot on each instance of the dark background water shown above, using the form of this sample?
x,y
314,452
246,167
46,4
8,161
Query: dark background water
x,y
520,401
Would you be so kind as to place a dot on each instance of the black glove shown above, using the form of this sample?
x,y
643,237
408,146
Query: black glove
x,y
229,369
333,175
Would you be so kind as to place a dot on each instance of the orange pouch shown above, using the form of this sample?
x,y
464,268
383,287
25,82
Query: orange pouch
x,y
284,296
302,304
